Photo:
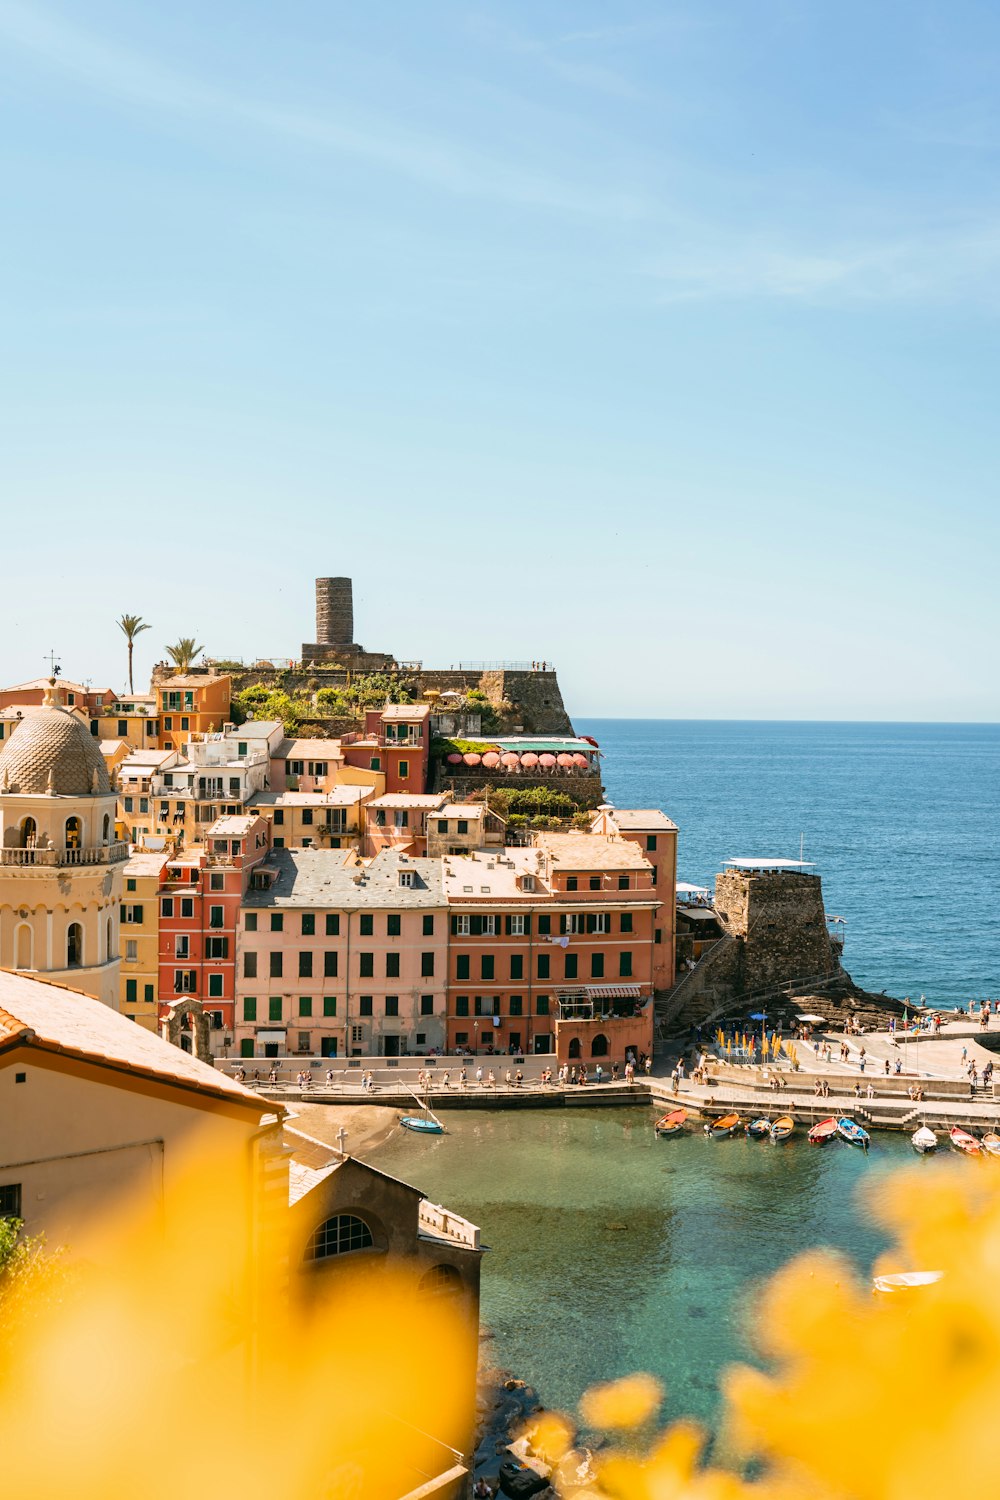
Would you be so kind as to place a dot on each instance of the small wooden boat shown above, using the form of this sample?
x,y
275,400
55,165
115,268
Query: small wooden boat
x,y
853,1133
906,1281
962,1141
823,1131
782,1128
758,1129
672,1123
924,1140
422,1125
726,1125
991,1143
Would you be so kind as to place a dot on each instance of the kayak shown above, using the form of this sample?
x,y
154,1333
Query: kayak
x,y
924,1140
823,1131
726,1125
853,1133
962,1141
782,1128
672,1123
758,1129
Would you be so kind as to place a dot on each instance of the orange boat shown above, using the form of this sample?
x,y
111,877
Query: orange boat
x,y
724,1126
672,1123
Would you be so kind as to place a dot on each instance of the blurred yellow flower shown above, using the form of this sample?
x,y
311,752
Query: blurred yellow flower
x,y
622,1403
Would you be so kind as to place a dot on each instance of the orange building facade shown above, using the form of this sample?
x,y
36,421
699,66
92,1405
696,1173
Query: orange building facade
x,y
190,704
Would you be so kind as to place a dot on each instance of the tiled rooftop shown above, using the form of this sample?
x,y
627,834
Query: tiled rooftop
x,y
322,878
410,799
641,819
409,711
309,750
589,851
488,873
144,864
338,796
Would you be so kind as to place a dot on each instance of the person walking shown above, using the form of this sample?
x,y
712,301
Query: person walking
x,y
479,1075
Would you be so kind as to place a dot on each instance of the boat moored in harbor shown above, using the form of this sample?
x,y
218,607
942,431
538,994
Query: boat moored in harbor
x,y
726,1125
759,1129
782,1128
906,1281
962,1141
853,1133
924,1140
823,1131
672,1123
422,1125
991,1143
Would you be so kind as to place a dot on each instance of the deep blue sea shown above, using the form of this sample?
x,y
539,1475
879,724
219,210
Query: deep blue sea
x,y
902,821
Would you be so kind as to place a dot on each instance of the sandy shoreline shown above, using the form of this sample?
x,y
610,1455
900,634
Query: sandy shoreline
x,y
368,1126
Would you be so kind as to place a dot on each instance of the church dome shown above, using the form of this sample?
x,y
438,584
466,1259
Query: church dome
x,y
53,751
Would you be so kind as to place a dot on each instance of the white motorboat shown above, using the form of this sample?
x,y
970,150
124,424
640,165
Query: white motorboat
x,y
906,1281
924,1140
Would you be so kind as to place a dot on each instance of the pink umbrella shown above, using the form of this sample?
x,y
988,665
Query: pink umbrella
x,y
565,759
491,759
454,759
547,761
472,758
581,760
529,760
510,760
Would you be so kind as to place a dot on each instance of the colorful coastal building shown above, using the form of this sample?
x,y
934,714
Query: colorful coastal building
x,y
461,827
398,820
656,835
395,742
133,719
191,703
551,948
90,702
320,820
341,959
303,765
142,875
200,893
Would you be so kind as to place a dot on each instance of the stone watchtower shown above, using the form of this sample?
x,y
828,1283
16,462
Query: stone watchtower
x,y
335,612
776,912
60,864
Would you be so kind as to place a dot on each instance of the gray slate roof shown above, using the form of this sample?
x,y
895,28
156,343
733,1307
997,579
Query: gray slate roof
x,y
318,878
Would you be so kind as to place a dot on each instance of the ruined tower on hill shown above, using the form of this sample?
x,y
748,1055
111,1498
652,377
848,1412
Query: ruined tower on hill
x,y
335,612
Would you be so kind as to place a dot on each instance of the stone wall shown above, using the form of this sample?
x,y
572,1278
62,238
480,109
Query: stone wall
x,y
780,919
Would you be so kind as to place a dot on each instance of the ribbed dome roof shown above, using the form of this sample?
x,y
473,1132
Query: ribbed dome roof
x,y
52,751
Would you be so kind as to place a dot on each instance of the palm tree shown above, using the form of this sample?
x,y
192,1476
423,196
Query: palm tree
x,y
184,653
132,625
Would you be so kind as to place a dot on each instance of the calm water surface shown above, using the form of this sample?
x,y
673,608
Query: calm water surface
x,y
611,1251
902,821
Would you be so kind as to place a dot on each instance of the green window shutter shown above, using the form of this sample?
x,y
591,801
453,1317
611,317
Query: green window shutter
x,y
506,926
305,1005
215,986
149,993
274,1008
544,925
250,1009
329,1005
131,991
246,1046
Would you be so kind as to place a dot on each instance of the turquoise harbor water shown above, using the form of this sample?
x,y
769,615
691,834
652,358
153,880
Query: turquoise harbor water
x,y
611,1251
901,820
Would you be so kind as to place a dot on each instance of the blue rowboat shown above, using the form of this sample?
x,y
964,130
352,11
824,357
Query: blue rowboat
x,y
854,1134
422,1127
758,1129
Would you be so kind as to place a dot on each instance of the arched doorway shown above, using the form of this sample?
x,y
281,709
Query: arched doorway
x,y
574,1047
599,1046
23,944
29,833
74,833
74,946
106,834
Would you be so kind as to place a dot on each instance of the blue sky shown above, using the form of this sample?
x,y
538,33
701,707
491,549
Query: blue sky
x,y
658,341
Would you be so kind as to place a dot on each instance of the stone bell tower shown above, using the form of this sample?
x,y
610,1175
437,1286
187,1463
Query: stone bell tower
x,y
60,864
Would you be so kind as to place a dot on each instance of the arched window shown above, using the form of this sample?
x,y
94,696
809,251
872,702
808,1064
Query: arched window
x,y
110,953
29,833
574,1047
599,1046
74,946
106,835
339,1236
73,833
440,1281
22,947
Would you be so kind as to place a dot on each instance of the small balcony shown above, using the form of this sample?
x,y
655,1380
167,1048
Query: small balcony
x,y
104,854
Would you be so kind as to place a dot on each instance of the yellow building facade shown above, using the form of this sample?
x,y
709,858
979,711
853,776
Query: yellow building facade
x,y
140,938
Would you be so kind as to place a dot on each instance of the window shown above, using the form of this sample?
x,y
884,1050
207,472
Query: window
x,y
132,913
404,769
215,986
305,1005
279,843
572,922
543,966
442,825
626,923
123,729
339,1236
305,965
185,724
304,1041
129,804
487,966
357,1033
330,965
251,921
487,1005
279,817
376,764
462,826
379,817
364,1005
571,966
462,966
516,1005
426,965
187,906
516,927
426,1005
131,951
307,817
462,927
625,965
10,1200
541,1005
595,882
149,993
274,1007
571,883
308,923
329,1005
428,927
216,947
216,915
516,966
249,966
74,945
131,991
168,723
489,927
544,925
241,747
275,968
250,1009
658,935
185,981
367,925
461,1005
597,966
216,881
650,840
367,962
277,921
130,885
392,966
333,924
623,882
392,1005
